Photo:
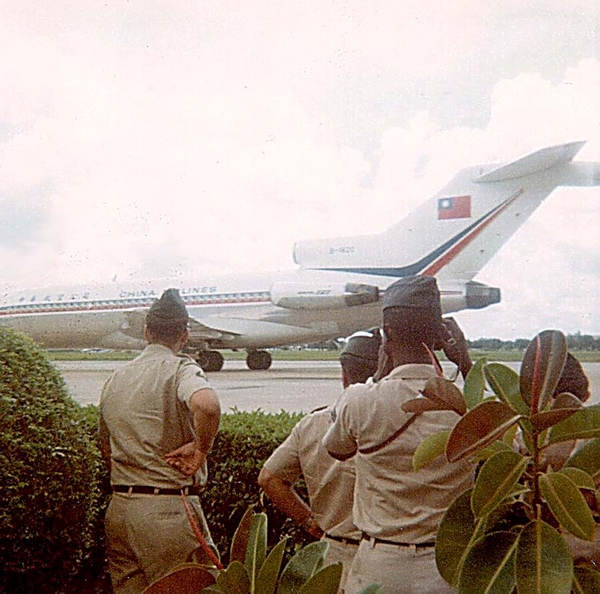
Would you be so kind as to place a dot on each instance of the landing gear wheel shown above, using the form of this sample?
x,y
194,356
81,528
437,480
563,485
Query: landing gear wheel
x,y
259,360
210,360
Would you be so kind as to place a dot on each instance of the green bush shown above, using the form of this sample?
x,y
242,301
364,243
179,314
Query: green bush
x,y
49,519
244,442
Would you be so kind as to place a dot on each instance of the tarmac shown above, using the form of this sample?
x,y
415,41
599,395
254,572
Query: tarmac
x,y
293,386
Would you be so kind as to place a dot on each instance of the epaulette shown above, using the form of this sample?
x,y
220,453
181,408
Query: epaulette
x,y
318,409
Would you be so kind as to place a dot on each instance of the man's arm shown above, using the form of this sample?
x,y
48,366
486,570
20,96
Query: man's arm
x,y
104,441
339,441
206,415
285,498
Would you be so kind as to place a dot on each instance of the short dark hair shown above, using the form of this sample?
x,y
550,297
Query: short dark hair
x,y
165,332
358,370
414,325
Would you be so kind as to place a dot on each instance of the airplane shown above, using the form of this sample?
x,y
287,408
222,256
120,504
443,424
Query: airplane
x,y
338,284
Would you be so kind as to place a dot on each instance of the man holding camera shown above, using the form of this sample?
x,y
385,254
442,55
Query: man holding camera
x,y
397,509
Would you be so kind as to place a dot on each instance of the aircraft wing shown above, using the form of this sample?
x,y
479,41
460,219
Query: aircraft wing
x,y
136,320
201,331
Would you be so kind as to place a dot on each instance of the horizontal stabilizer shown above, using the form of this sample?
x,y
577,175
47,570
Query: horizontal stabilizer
x,y
541,160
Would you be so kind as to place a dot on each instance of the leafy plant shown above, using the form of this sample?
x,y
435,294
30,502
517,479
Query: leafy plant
x,y
506,534
253,570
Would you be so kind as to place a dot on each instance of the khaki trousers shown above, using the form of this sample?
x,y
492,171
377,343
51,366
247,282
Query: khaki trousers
x,y
343,552
149,535
400,570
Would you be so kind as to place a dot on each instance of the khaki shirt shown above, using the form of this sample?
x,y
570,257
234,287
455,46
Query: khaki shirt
x,y
391,501
145,408
330,483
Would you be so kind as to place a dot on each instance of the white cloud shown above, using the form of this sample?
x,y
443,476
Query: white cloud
x,y
170,138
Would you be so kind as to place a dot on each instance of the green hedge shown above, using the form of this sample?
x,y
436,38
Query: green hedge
x,y
244,442
49,478
55,487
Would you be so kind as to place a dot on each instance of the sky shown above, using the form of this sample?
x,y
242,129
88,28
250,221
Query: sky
x,y
150,138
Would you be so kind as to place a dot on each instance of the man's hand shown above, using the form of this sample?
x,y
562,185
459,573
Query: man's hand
x,y
455,346
188,459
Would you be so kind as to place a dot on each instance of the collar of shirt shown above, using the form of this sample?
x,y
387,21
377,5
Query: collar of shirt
x,y
155,349
411,371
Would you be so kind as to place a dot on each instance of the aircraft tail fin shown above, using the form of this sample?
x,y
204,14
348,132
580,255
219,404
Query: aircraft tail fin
x,y
541,160
457,231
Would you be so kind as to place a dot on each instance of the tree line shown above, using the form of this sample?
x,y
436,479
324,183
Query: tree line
x,y
575,342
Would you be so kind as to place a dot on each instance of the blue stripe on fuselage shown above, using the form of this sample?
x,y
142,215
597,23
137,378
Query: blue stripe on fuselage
x,y
418,267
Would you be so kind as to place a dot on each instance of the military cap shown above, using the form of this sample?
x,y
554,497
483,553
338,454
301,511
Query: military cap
x,y
364,345
414,292
170,308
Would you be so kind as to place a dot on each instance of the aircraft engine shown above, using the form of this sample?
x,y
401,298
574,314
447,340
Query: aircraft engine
x,y
293,295
471,295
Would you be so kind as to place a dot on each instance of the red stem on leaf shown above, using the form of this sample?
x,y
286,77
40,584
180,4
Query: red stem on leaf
x,y
535,389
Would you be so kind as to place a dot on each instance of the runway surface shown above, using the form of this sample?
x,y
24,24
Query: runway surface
x,y
291,386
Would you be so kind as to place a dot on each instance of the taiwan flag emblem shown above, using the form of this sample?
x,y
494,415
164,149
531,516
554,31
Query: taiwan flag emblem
x,y
454,207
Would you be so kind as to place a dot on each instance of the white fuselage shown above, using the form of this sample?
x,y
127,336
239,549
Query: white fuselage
x,y
238,308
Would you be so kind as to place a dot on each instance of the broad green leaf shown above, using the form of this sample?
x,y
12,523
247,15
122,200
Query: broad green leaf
x,y
586,581
457,532
496,480
567,400
510,436
266,582
489,565
234,579
445,395
568,505
562,408
302,566
491,449
542,367
257,547
504,382
429,449
325,581
239,543
483,424
587,458
372,589
543,562
584,424
580,477
474,384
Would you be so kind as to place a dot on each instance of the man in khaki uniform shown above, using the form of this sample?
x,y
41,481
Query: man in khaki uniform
x,y
158,420
397,509
330,483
